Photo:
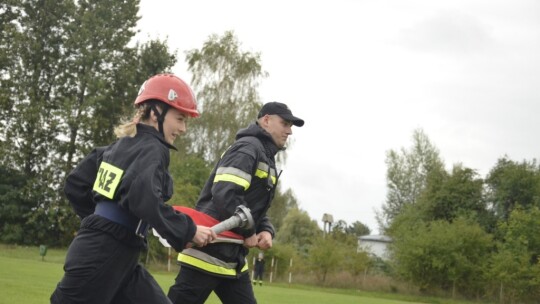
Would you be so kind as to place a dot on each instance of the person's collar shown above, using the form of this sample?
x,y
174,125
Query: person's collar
x,y
144,128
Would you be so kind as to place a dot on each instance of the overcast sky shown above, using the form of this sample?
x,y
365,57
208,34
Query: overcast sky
x,y
365,74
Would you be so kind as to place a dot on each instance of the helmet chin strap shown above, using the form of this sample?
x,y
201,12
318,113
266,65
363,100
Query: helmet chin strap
x,y
160,117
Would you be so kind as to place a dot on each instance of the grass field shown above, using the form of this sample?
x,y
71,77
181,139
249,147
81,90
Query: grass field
x,y
27,279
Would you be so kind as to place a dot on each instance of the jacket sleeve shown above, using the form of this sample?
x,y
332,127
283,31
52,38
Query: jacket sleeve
x,y
146,201
79,184
266,225
232,179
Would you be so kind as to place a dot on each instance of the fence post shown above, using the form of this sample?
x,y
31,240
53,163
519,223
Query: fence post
x,y
169,260
290,272
253,270
271,269
276,268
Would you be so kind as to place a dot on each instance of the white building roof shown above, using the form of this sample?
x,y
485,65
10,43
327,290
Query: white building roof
x,y
375,238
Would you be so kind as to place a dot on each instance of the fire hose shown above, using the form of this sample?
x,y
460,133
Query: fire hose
x,y
240,219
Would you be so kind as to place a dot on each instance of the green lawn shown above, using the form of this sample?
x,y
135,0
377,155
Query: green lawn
x,y
27,279
278,294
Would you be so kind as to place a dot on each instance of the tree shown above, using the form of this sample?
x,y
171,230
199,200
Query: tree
x,y
9,34
68,75
14,209
189,173
407,176
440,254
225,81
512,184
31,127
339,226
98,37
31,134
515,267
340,233
282,254
509,275
325,256
357,262
298,230
449,196
281,205
358,229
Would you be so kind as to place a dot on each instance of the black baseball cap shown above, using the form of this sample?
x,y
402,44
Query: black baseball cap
x,y
281,109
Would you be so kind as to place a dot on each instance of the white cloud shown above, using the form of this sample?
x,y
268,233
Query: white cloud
x,y
448,32
365,74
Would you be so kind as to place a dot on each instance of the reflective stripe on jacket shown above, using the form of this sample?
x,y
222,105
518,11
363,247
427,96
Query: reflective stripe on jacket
x,y
208,263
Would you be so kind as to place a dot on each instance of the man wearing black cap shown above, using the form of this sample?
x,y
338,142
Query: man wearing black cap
x,y
245,175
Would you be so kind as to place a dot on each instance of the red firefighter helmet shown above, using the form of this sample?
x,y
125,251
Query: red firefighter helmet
x,y
171,90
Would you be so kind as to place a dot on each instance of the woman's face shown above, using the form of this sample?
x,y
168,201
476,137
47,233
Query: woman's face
x,y
174,125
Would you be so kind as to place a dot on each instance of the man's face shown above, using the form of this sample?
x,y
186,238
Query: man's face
x,y
279,128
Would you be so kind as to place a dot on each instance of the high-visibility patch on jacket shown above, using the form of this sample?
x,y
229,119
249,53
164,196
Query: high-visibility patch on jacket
x,y
264,171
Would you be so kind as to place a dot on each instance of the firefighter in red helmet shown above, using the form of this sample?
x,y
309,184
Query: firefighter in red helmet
x,y
119,191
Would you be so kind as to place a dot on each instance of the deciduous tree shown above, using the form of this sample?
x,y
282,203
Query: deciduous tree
x,y
406,175
448,196
68,75
440,254
358,229
225,80
513,184
281,205
299,230
325,256
515,267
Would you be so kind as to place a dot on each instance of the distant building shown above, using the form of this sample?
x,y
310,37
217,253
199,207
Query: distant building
x,y
377,245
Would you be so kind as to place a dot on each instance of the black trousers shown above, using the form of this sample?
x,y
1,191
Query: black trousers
x,y
258,275
193,287
100,269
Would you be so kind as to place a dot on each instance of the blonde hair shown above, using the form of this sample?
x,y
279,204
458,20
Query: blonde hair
x,y
142,113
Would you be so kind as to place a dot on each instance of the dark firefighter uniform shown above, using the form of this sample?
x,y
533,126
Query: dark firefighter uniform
x,y
245,175
259,270
117,190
